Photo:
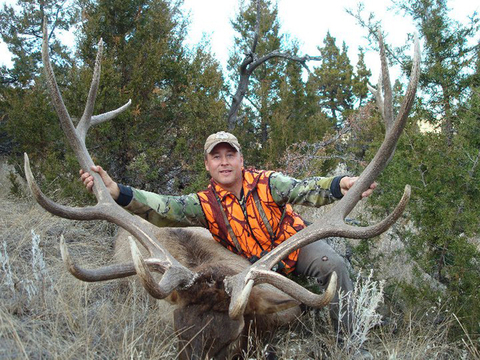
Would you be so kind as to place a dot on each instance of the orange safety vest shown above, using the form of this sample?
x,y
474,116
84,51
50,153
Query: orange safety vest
x,y
251,238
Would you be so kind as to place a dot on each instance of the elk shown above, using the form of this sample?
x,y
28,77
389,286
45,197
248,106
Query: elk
x,y
200,317
216,291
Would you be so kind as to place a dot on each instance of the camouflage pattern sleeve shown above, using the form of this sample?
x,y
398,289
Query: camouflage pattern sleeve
x,y
164,210
314,191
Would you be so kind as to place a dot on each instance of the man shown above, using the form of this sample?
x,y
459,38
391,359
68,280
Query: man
x,y
248,211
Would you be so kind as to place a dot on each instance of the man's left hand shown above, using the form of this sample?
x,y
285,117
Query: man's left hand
x,y
347,182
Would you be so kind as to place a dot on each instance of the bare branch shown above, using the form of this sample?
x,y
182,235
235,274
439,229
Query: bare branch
x,y
257,28
250,62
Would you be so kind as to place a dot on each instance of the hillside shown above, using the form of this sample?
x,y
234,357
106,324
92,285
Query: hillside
x,y
47,313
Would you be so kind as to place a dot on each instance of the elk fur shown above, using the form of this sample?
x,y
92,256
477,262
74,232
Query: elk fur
x,y
200,313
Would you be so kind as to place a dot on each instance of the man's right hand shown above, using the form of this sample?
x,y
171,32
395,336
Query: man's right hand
x,y
111,185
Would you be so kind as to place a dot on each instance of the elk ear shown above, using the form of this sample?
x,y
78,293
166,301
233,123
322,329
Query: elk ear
x,y
173,298
266,299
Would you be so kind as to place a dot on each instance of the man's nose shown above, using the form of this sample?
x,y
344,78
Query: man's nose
x,y
225,160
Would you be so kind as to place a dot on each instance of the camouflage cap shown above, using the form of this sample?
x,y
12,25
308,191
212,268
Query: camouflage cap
x,y
221,137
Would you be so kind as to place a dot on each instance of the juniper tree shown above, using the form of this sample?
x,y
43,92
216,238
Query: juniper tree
x,y
175,92
334,79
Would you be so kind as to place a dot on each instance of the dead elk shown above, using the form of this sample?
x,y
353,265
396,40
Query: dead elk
x,y
200,318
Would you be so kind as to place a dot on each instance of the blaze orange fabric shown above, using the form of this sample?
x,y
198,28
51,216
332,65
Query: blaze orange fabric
x,y
251,232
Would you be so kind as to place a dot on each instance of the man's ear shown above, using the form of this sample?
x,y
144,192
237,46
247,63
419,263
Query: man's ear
x,y
206,165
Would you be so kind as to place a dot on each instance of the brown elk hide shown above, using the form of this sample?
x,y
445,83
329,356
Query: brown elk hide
x,y
201,318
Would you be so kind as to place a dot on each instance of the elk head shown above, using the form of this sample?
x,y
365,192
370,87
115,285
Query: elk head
x,y
200,315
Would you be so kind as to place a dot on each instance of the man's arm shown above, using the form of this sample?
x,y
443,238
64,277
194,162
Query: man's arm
x,y
160,210
166,210
313,191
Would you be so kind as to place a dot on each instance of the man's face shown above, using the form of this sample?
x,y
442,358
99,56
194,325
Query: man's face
x,y
225,164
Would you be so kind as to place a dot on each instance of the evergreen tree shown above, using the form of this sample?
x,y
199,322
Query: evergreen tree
x,y
27,117
296,116
334,78
176,94
447,56
21,29
361,78
441,164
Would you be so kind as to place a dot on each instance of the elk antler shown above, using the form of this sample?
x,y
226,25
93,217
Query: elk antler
x,y
174,274
332,223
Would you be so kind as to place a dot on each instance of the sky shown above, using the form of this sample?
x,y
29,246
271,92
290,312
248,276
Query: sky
x,y
306,20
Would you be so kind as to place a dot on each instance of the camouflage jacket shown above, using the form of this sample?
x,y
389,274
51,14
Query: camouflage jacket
x,y
185,210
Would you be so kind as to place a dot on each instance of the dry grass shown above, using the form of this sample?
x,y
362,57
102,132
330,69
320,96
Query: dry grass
x,y
49,314
45,313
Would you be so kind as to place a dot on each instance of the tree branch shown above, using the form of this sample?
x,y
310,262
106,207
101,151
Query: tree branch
x,y
250,63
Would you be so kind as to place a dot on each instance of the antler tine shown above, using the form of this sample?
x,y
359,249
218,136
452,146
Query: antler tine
x,y
169,282
98,119
412,85
105,273
332,223
380,160
76,142
49,205
378,96
87,120
109,272
387,104
240,294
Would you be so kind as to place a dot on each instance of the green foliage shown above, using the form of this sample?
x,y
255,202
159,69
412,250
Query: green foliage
x,y
32,123
444,209
21,30
447,58
441,165
171,91
177,101
361,78
16,188
280,108
334,79
296,116
175,92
